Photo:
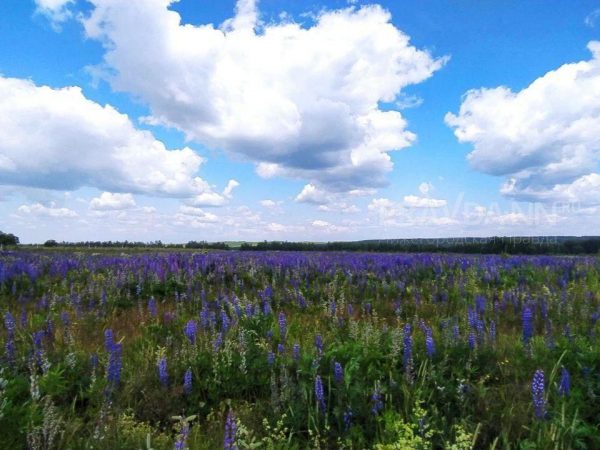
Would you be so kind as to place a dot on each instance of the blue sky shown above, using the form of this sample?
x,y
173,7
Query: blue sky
x,y
313,120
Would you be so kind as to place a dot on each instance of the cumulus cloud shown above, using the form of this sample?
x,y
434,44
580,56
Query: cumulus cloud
x,y
341,207
197,213
109,201
544,139
592,18
56,11
300,102
37,209
231,185
413,201
58,139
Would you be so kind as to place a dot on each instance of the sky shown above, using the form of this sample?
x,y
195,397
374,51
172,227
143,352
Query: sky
x,y
315,120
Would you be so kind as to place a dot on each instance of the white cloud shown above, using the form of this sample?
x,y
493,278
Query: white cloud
x,y
110,201
231,185
327,227
58,139
386,210
56,11
299,102
312,194
197,213
341,207
413,201
545,139
268,203
37,209
592,18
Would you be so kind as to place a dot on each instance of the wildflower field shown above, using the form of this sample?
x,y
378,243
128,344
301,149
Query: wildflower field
x,y
292,350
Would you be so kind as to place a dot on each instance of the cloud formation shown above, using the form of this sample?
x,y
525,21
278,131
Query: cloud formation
x,y
109,201
58,139
37,209
544,139
300,102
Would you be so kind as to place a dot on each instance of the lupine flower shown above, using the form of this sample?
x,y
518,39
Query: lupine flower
x,y
162,371
429,343
152,307
376,402
270,358
282,325
218,342
181,442
230,432
564,385
319,394
338,372
113,372
296,352
493,331
527,319
224,321
108,340
348,418
537,391
319,344
407,352
187,381
472,341
190,330
9,323
280,349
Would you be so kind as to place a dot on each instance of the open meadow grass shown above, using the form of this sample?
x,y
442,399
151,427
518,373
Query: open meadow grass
x,y
291,350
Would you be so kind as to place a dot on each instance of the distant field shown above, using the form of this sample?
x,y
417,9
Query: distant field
x,y
146,348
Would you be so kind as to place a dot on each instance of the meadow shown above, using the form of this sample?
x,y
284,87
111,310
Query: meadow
x,y
294,350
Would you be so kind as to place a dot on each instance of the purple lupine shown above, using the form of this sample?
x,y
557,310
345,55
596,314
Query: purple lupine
x,y
407,351
152,307
10,349
94,361
537,391
319,344
319,393
492,331
181,442
564,385
162,371
190,330
472,341
338,372
348,418
429,343
9,323
296,351
224,321
270,358
113,372
282,325
230,432
527,319
187,381
218,342
480,302
38,346
376,401
280,349
109,340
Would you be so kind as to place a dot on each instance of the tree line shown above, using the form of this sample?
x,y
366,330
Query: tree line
x,y
494,245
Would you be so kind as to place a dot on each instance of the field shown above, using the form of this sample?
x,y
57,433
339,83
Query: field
x,y
291,350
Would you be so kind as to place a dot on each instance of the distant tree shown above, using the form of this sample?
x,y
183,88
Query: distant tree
x,y
50,243
8,239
